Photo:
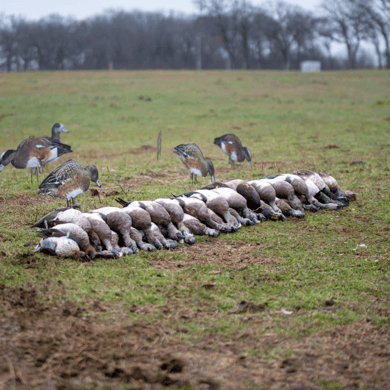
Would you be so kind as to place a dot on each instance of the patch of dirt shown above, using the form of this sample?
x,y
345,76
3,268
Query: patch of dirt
x,y
216,252
24,200
60,347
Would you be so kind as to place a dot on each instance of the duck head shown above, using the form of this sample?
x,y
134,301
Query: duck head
x,y
59,128
93,174
247,155
6,157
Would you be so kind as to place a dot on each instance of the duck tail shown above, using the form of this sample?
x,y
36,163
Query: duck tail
x,y
124,203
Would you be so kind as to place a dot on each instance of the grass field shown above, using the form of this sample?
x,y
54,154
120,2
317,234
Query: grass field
x,y
176,319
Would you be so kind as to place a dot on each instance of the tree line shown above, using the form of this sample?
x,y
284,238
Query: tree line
x,y
224,34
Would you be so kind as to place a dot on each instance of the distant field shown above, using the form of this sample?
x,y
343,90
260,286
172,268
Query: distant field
x,y
121,324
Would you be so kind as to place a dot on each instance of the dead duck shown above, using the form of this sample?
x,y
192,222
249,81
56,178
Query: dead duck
x,y
285,191
69,180
325,195
253,199
165,242
239,203
192,157
231,146
334,187
33,152
59,246
158,214
287,210
72,231
140,220
64,215
55,132
217,203
100,227
302,190
198,228
266,192
197,208
177,214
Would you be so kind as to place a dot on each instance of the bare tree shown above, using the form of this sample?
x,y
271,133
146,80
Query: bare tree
x,y
347,23
379,15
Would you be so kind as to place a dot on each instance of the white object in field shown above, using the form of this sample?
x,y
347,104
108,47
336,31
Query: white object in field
x,y
310,66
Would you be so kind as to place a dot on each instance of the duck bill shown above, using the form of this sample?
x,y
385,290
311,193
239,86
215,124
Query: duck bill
x,y
213,179
65,130
1,167
250,164
98,183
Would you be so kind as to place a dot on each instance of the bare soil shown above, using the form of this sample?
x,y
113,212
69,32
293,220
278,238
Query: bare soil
x,y
62,346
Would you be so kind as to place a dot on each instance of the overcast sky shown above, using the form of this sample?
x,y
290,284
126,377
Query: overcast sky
x,y
80,9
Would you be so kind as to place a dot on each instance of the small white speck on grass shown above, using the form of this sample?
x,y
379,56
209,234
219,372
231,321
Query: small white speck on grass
x,y
288,312
363,245
112,170
376,260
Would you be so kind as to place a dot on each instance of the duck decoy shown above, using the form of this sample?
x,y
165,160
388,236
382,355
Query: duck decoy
x,y
55,132
69,180
231,146
34,152
191,156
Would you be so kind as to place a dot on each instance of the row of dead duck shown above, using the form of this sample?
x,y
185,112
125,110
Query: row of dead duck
x,y
165,222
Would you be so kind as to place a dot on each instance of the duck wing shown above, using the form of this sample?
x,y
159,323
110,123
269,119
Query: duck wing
x,y
62,174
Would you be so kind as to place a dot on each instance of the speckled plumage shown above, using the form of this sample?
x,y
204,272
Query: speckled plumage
x,y
192,157
69,180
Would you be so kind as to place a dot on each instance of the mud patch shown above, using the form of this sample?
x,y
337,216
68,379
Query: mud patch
x,y
217,253
60,347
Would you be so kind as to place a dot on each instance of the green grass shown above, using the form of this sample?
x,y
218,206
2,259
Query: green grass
x,y
286,118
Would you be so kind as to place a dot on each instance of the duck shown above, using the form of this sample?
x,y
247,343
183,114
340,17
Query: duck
x,y
33,152
285,191
72,231
217,203
325,195
239,203
192,157
103,231
64,215
198,228
140,220
231,146
197,208
158,214
266,192
69,180
59,246
55,132
334,188
177,214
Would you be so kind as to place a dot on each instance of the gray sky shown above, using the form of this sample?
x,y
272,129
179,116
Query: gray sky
x,y
80,9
